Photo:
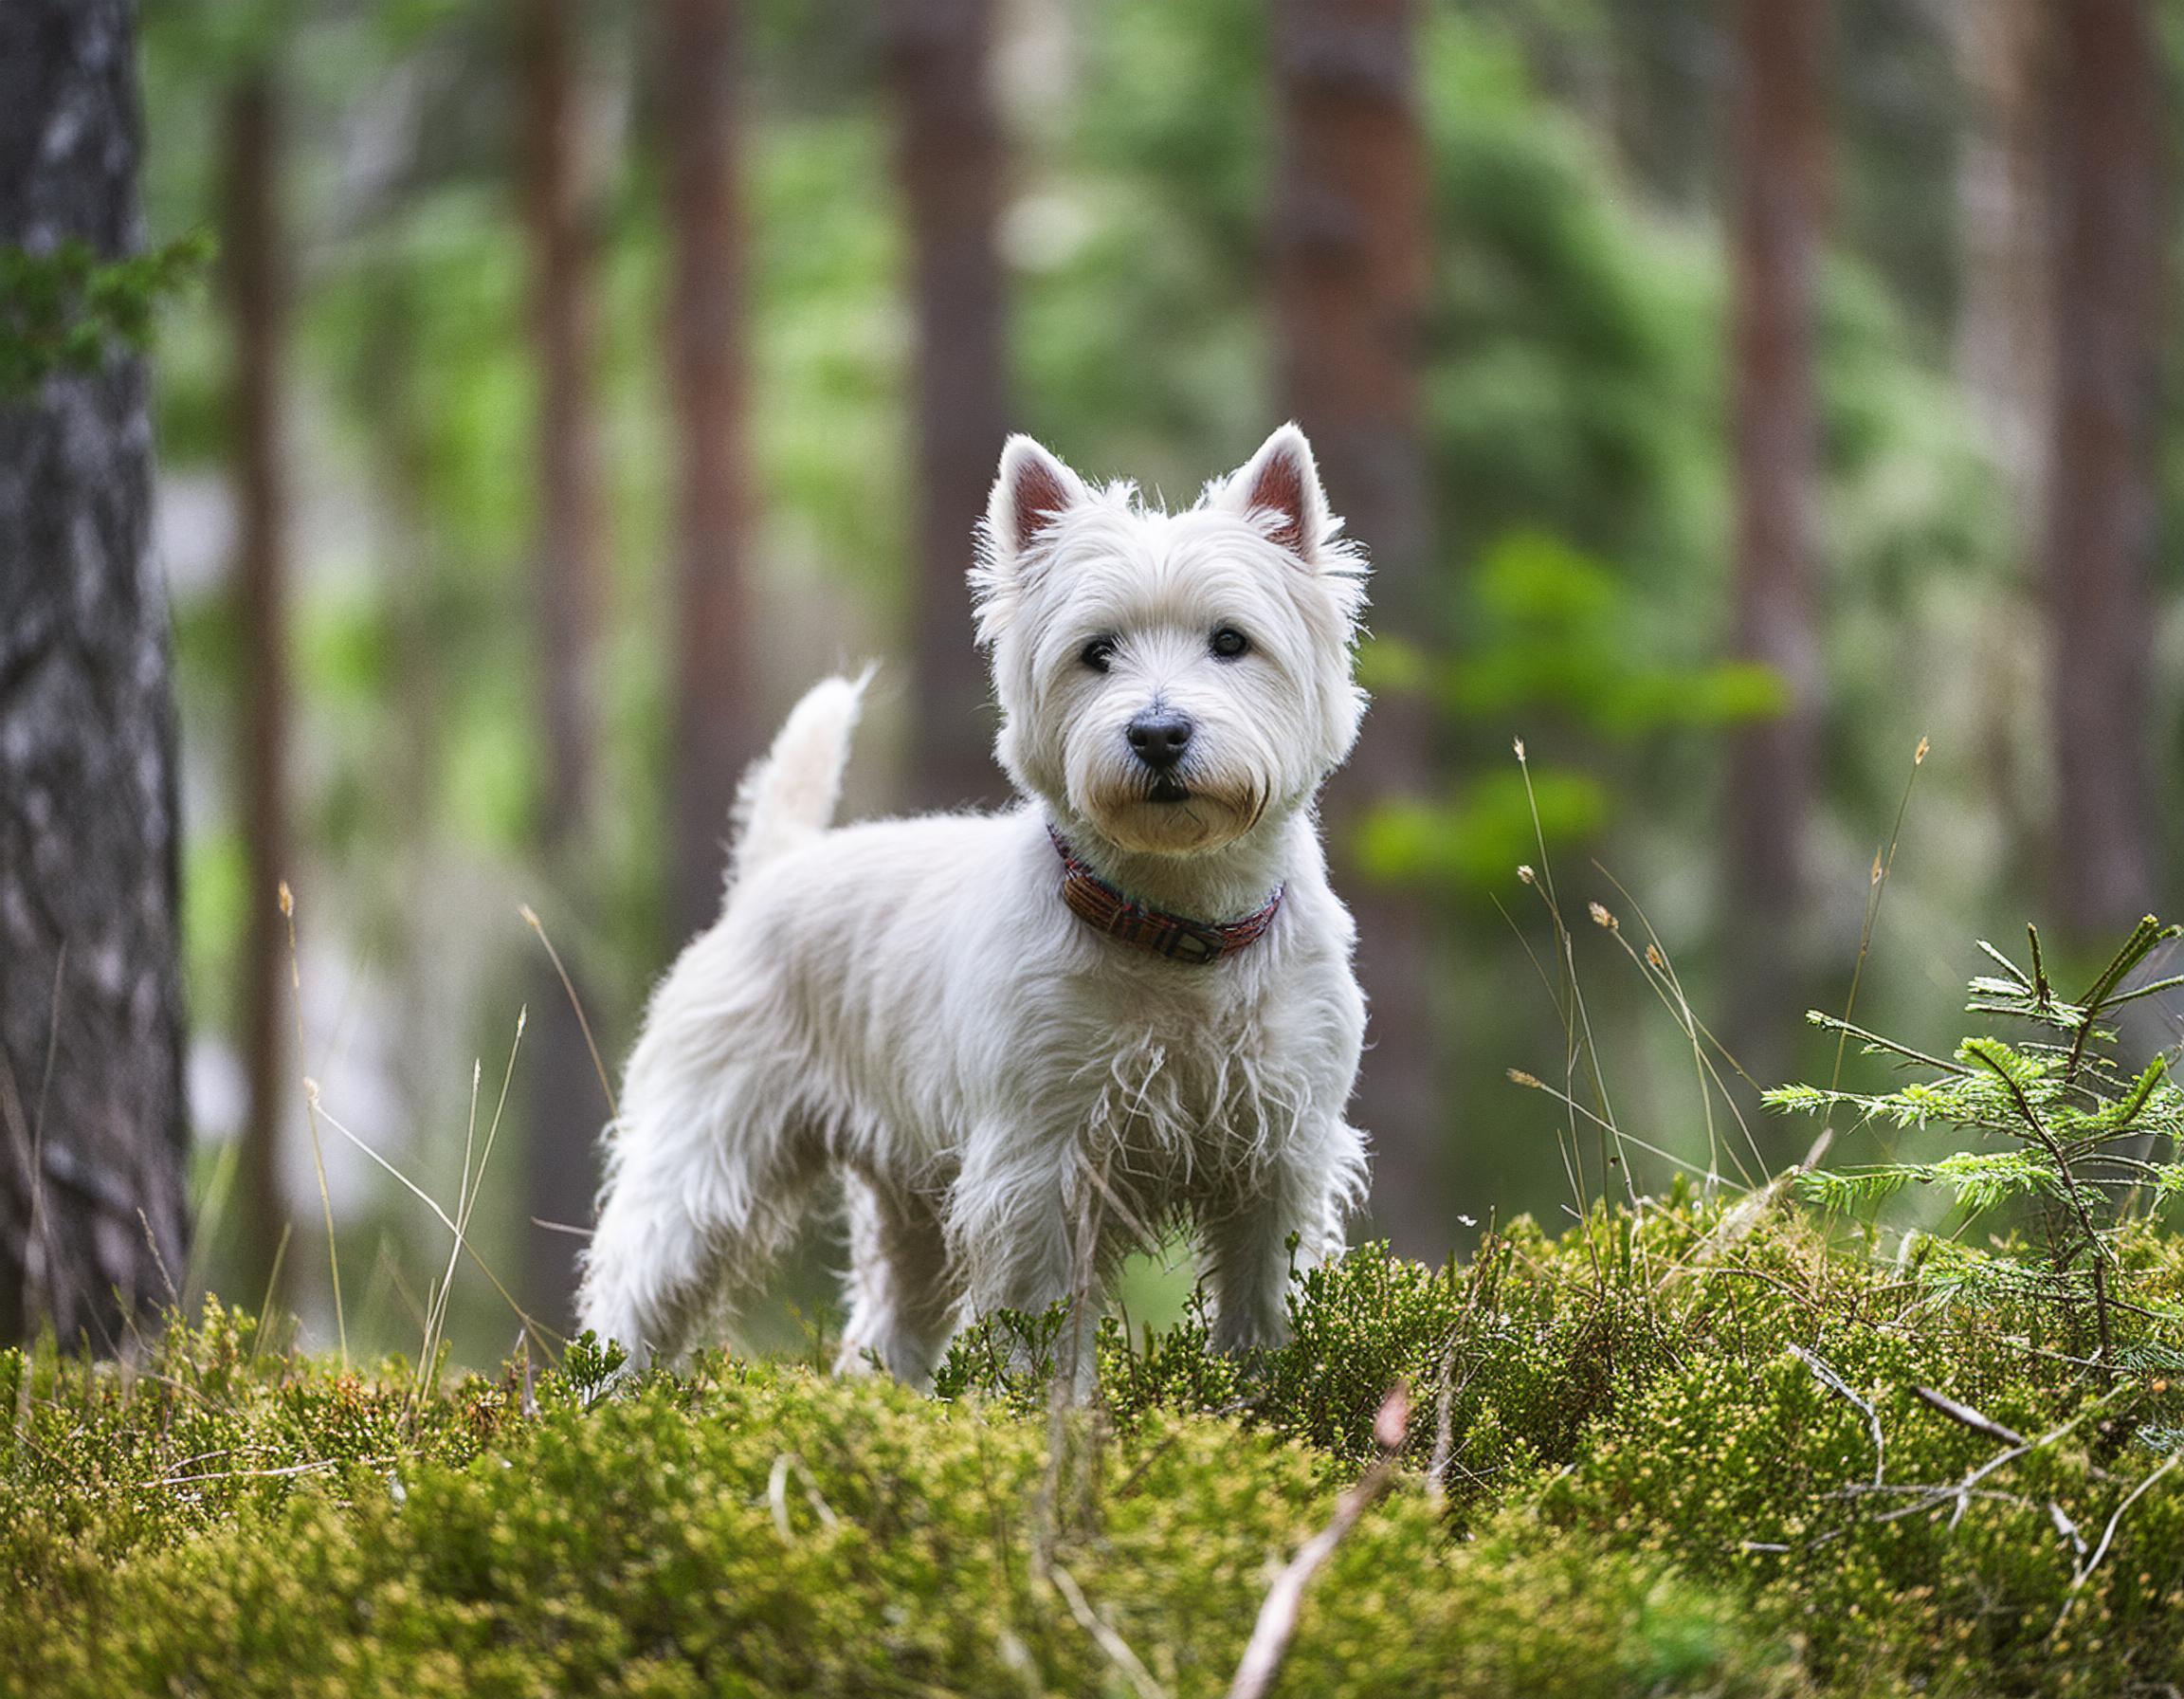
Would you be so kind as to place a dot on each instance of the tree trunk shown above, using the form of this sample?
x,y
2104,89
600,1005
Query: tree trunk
x,y
1778,143
949,163
567,1105
2005,360
257,307
92,1208
1351,241
714,733
2004,336
2106,299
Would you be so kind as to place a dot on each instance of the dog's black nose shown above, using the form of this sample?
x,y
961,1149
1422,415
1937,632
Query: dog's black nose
x,y
1158,736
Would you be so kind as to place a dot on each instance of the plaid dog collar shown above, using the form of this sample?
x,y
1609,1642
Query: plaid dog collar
x,y
1103,908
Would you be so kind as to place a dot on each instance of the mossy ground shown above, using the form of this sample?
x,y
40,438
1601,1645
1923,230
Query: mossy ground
x,y
1663,1478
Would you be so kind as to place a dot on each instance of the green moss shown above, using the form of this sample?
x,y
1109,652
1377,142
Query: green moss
x,y
1663,1478
755,1531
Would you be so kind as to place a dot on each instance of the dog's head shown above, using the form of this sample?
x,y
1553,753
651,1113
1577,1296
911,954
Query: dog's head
x,y
1172,679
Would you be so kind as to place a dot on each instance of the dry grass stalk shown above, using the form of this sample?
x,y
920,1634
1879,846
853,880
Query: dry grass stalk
x,y
311,1109
531,918
1884,864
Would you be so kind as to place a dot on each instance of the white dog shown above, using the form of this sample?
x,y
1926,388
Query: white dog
x,y
1123,1005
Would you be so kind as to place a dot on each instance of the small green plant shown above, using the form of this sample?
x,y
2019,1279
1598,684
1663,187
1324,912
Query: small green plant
x,y
2070,1130
67,310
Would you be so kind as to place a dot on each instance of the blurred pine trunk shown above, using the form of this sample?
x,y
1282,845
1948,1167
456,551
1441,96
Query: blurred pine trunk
x,y
2109,139
716,732
567,1106
2004,336
1351,248
256,301
1778,146
93,1125
2005,354
949,163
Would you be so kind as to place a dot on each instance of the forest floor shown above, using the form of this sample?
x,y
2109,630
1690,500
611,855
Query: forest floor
x,y
1698,1447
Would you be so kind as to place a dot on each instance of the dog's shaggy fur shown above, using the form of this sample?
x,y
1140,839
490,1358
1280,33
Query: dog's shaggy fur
x,y
909,1001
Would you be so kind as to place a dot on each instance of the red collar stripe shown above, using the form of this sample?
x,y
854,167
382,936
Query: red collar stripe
x,y
1103,908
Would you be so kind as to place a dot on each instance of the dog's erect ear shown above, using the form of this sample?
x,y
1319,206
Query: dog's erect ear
x,y
1281,482
1033,491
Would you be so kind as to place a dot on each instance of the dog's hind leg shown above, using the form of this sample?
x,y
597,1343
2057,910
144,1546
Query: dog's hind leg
x,y
705,1181
902,1301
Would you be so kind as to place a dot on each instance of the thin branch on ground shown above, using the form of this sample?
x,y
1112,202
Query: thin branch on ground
x,y
1964,1415
1277,1624
1104,1635
2108,1535
1841,1388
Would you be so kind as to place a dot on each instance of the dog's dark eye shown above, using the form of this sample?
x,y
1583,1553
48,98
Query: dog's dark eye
x,y
1098,653
1229,643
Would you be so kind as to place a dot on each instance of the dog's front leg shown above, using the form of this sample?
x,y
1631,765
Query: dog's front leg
x,y
1248,1264
1012,1230
1247,1234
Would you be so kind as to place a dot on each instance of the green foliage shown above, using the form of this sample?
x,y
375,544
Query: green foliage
x,y
2091,1139
1474,841
66,310
1556,637
1550,640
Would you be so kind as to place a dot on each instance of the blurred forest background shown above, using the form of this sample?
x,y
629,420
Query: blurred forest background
x,y
1733,393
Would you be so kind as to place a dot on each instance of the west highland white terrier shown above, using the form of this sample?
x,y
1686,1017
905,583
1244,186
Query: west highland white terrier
x,y
1030,1041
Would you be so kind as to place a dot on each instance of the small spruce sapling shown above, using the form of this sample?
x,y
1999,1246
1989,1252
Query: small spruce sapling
x,y
2084,1137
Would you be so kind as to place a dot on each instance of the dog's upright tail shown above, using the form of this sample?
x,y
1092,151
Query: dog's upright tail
x,y
788,795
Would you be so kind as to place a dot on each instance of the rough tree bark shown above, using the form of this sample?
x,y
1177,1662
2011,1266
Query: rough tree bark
x,y
949,164
2106,300
714,733
1778,142
257,308
1351,241
567,1105
91,1104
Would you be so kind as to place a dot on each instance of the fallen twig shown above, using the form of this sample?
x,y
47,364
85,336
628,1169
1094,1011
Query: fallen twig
x,y
778,1497
1964,1413
1103,1633
1277,1623
1962,1491
1841,1388
2108,1535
